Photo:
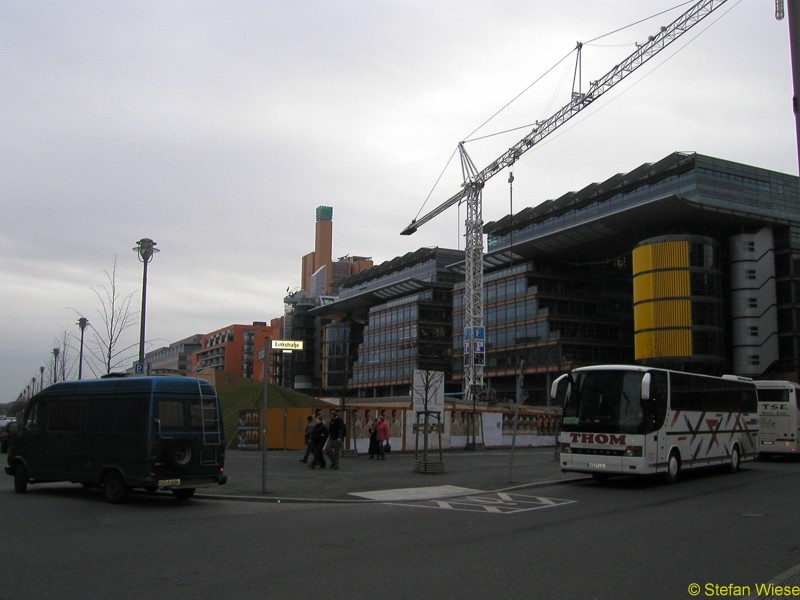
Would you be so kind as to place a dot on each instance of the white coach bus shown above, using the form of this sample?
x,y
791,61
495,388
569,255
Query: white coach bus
x,y
636,420
777,413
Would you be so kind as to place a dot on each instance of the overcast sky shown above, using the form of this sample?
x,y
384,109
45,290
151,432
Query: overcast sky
x,y
216,129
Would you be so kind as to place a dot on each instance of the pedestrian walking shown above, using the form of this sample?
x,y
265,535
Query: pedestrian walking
x,y
373,439
336,434
319,435
382,436
307,439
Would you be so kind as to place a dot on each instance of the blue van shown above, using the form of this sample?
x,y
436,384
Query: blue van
x,y
119,433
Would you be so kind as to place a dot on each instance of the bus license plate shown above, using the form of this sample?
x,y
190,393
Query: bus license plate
x,y
168,482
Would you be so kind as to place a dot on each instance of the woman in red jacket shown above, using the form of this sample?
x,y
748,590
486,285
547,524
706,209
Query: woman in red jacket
x,y
382,436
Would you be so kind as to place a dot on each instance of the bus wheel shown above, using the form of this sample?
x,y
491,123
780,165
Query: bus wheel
x,y
178,454
673,468
183,494
20,479
114,488
736,460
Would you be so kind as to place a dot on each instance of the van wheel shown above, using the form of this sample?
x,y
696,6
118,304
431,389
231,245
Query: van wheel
x,y
673,468
736,460
20,479
114,488
178,454
183,494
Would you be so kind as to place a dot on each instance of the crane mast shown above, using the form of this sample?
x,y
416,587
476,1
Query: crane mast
x,y
475,180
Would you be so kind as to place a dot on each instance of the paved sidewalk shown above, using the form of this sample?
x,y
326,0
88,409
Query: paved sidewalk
x,y
287,479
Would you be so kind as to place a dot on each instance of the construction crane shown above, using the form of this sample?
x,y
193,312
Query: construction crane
x,y
474,180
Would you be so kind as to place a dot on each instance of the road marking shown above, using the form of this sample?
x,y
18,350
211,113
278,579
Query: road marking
x,y
417,493
450,497
493,502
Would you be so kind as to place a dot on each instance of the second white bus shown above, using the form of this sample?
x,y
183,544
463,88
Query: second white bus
x,y
636,420
779,425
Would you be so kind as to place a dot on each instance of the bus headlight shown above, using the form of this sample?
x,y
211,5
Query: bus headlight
x,y
633,451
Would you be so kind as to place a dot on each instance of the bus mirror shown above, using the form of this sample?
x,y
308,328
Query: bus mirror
x,y
646,378
554,386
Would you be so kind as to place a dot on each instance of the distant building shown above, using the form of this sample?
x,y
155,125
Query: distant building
x,y
320,277
388,321
689,263
174,359
234,350
320,273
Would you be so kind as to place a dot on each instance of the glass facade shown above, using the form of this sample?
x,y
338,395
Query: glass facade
x,y
396,317
558,281
690,193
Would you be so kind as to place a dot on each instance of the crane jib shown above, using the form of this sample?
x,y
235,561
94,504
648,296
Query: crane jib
x,y
644,52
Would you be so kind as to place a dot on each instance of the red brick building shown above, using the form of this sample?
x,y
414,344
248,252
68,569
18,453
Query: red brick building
x,y
233,351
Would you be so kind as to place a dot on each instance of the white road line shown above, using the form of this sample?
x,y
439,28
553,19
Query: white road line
x,y
418,493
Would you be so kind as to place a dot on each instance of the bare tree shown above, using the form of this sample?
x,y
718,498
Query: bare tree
x,y
63,362
428,395
116,318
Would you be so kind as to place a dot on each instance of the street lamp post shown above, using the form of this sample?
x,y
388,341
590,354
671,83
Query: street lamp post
x,y
41,378
55,364
82,323
145,249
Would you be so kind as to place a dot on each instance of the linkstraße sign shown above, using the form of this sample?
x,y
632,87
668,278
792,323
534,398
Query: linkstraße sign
x,y
287,345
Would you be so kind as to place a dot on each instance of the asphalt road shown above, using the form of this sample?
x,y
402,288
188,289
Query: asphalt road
x,y
626,538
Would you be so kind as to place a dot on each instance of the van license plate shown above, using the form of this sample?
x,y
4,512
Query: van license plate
x,y
168,482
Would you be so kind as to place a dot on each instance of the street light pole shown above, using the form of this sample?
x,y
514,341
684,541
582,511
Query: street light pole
x,y
145,249
82,323
55,364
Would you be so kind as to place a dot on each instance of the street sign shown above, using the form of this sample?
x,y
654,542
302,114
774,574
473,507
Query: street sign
x,y
287,345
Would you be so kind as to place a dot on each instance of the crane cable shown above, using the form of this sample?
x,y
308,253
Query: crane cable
x,y
524,91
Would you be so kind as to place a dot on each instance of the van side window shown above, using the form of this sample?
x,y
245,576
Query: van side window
x,y
118,415
66,416
36,417
171,414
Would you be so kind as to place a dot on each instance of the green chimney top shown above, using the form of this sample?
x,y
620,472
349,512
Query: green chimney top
x,y
324,213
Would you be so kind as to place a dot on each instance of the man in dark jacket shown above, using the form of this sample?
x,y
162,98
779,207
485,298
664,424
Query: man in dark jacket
x,y
307,440
319,435
337,430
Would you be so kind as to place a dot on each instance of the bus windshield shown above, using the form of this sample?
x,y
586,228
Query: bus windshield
x,y
604,401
